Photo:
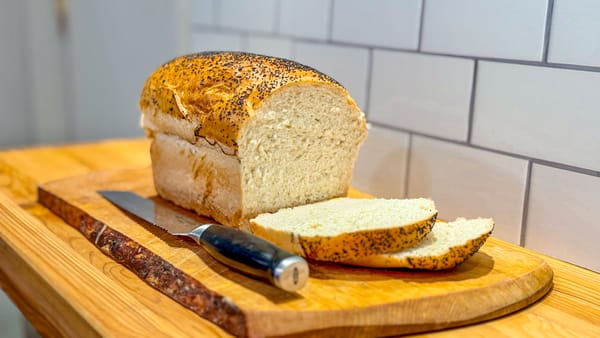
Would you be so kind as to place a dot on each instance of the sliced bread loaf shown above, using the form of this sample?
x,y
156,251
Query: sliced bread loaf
x,y
446,246
237,134
345,229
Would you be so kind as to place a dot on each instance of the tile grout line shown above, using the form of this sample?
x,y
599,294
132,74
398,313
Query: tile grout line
x,y
368,83
329,36
547,163
525,204
472,101
547,31
420,37
293,49
277,19
216,20
245,41
32,123
329,41
566,167
69,105
407,165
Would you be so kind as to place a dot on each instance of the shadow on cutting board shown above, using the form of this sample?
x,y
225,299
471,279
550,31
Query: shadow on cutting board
x,y
478,265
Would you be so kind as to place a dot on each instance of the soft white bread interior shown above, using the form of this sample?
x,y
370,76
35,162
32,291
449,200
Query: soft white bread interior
x,y
342,229
446,246
237,134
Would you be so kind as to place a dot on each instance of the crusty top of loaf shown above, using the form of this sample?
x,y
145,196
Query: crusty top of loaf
x,y
219,91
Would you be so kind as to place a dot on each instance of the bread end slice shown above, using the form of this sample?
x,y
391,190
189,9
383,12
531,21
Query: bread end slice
x,y
445,247
345,229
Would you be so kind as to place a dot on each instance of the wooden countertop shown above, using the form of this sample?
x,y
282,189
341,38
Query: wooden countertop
x,y
66,287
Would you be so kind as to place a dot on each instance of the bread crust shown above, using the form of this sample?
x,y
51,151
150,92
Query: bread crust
x,y
197,177
217,92
449,259
348,246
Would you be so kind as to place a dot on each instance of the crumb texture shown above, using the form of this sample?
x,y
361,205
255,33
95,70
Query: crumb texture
x,y
346,215
344,228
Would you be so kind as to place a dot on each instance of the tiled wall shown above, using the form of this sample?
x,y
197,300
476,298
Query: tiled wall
x,y
490,108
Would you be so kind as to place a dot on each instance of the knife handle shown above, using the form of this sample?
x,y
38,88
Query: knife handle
x,y
253,255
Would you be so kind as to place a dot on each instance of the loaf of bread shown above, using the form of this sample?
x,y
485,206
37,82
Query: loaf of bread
x,y
344,229
446,246
235,134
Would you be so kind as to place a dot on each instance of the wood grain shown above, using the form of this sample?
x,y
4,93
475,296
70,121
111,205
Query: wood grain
x,y
81,281
39,288
381,302
148,266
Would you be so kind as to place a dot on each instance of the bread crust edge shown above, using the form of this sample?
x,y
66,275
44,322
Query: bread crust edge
x,y
351,245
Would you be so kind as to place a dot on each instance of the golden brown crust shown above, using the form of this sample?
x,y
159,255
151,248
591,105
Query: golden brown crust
x,y
219,91
348,246
449,260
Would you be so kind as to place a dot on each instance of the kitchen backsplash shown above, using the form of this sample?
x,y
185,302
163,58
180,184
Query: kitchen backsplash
x,y
490,108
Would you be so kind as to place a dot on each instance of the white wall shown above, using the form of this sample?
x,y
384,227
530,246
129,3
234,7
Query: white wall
x,y
14,116
46,62
113,46
79,78
490,108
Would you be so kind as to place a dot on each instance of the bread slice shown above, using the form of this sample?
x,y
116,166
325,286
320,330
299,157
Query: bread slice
x,y
344,229
446,246
238,134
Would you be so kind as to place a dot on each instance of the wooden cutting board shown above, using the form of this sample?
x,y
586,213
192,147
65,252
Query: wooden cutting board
x,y
338,300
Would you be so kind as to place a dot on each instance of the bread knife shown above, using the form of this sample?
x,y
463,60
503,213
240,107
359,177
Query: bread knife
x,y
235,248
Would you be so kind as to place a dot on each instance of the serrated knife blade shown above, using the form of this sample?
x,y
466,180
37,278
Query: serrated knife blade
x,y
238,249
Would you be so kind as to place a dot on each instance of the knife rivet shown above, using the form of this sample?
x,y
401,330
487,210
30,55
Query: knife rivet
x,y
295,275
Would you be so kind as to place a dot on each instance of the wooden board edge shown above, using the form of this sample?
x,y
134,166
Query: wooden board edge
x,y
394,330
149,267
538,282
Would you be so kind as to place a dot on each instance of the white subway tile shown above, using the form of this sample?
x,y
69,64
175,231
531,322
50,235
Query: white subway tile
x,y
348,65
257,15
424,93
511,29
562,220
307,18
469,182
545,113
273,46
381,166
217,41
202,12
389,23
575,32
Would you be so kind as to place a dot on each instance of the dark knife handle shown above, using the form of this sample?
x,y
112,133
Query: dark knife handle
x,y
255,256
